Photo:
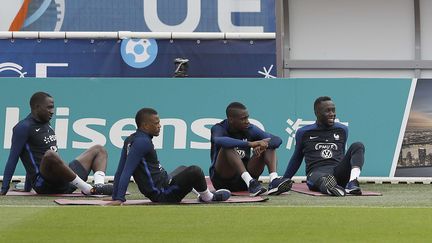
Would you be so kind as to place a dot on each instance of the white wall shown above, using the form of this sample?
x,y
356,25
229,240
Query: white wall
x,y
426,29
8,10
357,30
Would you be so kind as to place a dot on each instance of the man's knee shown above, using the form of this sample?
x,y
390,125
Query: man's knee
x,y
51,156
228,152
358,146
195,170
98,149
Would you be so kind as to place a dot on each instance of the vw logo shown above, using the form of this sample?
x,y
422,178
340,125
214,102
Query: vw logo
x,y
241,153
326,154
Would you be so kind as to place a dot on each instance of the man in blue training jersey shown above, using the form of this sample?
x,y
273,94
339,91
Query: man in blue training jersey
x,y
328,168
34,141
232,166
139,159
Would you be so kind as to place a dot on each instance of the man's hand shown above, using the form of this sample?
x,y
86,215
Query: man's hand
x,y
259,146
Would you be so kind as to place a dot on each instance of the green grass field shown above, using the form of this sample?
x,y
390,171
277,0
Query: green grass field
x,y
402,214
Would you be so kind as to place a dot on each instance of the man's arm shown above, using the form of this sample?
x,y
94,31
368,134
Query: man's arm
x,y
136,153
119,171
220,139
296,158
274,141
19,139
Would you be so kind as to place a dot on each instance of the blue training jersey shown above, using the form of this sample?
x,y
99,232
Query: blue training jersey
x,y
30,140
223,137
138,153
319,146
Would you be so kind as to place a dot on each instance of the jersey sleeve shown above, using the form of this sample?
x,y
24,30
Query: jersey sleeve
x,y
19,139
119,171
274,142
219,137
296,158
137,151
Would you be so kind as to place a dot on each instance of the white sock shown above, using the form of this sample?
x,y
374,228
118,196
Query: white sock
x,y
355,173
99,177
82,185
206,195
246,177
273,176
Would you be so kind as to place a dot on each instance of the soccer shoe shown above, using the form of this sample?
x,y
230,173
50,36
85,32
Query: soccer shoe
x,y
102,189
353,187
279,185
221,195
255,188
218,196
332,187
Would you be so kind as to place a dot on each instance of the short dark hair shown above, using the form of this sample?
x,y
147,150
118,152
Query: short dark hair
x,y
232,106
37,98
319,100
142,115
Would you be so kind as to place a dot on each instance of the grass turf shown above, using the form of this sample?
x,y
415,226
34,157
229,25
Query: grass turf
x,y
401,215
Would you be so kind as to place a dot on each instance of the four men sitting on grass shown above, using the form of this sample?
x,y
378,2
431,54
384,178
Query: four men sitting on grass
x,y
239,153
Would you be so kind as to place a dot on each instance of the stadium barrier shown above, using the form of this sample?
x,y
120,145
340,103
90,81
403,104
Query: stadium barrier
x,y
378,121
137,54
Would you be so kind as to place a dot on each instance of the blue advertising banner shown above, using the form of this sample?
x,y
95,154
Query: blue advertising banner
x,y
102,111
144,15
136,58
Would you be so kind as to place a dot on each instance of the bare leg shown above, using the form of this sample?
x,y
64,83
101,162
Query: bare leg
x,y
229,164
94,158
54,169
257,163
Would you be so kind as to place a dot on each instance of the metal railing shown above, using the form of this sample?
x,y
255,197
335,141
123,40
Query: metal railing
x,y
129,35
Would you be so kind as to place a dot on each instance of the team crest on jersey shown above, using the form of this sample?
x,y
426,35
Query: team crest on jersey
x,y
240,152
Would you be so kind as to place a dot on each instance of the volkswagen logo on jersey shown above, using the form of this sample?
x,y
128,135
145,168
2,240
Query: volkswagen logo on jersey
x,y
139,53
326,154
240,152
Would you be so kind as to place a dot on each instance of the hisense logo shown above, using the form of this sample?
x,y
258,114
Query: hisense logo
x,y
87,132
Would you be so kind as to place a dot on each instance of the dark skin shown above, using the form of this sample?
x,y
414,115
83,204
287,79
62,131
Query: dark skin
x,y
325,113
229,162
52,167
150,125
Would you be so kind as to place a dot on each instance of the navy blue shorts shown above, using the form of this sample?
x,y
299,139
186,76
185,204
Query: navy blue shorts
x,y
234,184
42,186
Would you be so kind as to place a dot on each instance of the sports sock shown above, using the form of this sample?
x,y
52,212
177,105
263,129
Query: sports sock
x,y
273,176
355,173
82,185
99,177
246,177
206,195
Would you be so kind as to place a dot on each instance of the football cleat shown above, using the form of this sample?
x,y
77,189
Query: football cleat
x,y
255,188
353,187
102,189
332,187
279,185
